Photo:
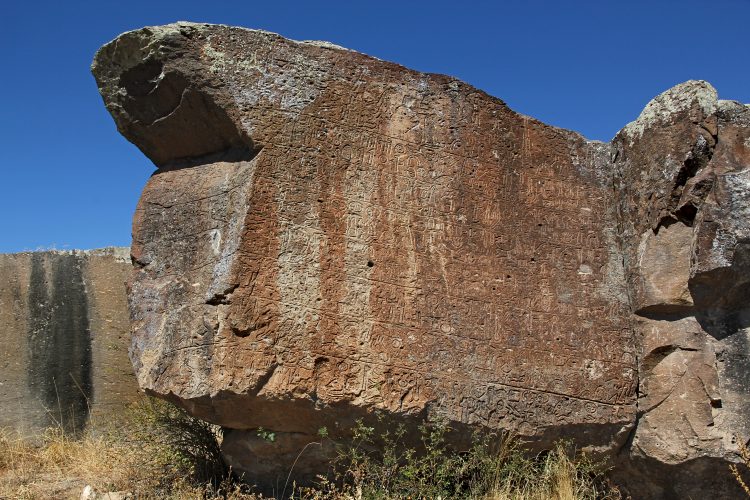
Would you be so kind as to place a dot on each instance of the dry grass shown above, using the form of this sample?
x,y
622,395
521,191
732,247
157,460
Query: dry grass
x,y
59,466
557,478
744,453
137,455
158,451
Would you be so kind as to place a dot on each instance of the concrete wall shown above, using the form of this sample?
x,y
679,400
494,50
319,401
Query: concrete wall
x,y
64,337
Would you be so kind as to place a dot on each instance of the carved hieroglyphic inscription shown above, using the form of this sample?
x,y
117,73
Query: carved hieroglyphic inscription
x,y
330,236
394,240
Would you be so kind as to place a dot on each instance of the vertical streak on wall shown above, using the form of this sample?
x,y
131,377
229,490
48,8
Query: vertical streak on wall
x,y
59,340
113,383
16,409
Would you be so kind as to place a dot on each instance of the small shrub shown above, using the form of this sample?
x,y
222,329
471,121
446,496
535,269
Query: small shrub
x,y
495,467
187,445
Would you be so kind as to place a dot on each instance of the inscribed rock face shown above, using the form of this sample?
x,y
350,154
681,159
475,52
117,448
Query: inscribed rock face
x,y
330,235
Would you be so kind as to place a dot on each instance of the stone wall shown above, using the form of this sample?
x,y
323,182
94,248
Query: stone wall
x,y
64,338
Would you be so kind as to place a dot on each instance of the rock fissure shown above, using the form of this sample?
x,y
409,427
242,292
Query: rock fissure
x,y
222,298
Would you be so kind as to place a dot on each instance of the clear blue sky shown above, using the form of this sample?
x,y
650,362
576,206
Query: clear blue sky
x,y
69,180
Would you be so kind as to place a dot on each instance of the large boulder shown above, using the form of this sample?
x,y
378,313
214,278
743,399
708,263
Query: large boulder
x,y
329,236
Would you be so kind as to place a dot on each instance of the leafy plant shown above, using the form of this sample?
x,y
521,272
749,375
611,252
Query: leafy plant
x,y
266,435
383,466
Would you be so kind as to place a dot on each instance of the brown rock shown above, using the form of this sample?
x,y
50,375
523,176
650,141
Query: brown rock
x,y
664,267
685,261
330,235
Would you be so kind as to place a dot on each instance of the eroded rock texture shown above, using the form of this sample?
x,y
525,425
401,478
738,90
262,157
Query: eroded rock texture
x,y
681,177
329,235
64,339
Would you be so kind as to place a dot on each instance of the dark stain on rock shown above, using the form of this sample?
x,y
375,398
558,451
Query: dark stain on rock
x,y
59,340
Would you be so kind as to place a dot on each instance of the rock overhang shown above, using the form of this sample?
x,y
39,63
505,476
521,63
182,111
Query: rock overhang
x,y
354,237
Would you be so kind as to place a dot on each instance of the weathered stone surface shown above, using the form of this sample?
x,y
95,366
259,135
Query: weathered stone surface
x,y
65,337
664,267
681,174
330,235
